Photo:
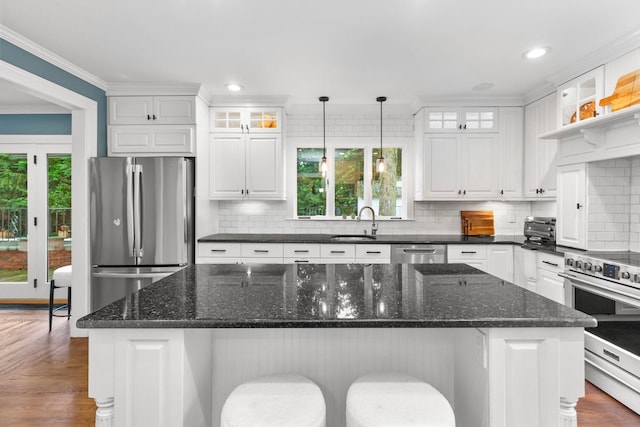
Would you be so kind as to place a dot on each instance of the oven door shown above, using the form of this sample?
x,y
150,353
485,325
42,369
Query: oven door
x,y
612,349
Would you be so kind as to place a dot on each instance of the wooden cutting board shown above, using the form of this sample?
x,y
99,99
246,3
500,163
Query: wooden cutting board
x,y
626,93
475,223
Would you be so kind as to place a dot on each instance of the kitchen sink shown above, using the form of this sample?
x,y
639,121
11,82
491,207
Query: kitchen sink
x,y
352,237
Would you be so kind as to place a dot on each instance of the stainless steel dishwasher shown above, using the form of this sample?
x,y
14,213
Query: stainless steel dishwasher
x,y
418,254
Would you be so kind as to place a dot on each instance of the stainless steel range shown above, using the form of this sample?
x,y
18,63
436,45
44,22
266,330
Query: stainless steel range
x,y
606,285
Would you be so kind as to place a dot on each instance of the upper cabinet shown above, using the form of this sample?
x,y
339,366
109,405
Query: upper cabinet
x,y
469,119
480,162
246,156
152,110
151,126
579,99
540,154
246,120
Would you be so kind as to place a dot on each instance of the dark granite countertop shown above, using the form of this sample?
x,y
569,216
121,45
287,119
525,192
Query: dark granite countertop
x,y
333,296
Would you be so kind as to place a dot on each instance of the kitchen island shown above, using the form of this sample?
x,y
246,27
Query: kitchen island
x,y
170,353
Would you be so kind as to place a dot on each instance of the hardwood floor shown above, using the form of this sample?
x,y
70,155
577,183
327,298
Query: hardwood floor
x,y
44,378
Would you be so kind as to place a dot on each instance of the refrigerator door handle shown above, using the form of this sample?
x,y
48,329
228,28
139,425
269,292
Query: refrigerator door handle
x,y
130,213
137,215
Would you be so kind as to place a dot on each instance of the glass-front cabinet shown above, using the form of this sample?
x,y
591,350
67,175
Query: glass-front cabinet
x,y
246,120
578,99
469,119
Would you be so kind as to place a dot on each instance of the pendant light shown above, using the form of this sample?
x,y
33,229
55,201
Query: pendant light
x,y
380,164
324,167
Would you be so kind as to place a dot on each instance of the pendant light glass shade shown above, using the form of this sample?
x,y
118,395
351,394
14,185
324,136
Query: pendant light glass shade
x,y
380,163
324,167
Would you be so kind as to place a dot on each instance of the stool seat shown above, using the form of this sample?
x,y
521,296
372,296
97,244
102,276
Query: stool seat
x,y
275,401
62,277
396,400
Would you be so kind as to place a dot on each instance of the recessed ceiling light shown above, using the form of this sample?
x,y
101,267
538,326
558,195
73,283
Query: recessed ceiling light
x,y
234,87
536,52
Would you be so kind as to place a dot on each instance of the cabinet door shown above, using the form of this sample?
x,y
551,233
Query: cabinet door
x,y
550,286
540,155
174,110
571,221
441,167
263,119
500,261
479,119
226,120
227,167
130,110
510,149
264,172
579,99
479,171
441,120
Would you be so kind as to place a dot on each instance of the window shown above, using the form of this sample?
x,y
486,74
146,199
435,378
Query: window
x,y
352,182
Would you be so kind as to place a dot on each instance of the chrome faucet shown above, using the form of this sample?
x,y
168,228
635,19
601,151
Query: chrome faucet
x,y
374,226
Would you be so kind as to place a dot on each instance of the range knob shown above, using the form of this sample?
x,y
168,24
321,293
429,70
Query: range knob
x,y
569,261
577,264
636,278
625,275
598,269
587,266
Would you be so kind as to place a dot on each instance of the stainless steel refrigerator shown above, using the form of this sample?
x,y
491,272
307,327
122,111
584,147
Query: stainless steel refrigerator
x,y
142,229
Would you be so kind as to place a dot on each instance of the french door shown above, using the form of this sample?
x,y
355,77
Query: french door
x,y
35,213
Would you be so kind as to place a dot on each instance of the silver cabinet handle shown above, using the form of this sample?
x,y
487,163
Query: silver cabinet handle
x,y
337,252
301,251
219,250
261,251
550,263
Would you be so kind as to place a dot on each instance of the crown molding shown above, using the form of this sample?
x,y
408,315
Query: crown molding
x,y
486,101
603,55
149,89
539,93
50,57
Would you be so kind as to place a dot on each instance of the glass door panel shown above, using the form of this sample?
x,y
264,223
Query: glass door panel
x,y
59,211
13,217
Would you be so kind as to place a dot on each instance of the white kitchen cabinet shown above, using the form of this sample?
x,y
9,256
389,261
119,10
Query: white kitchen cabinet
x,y
465,119
246,166
525,268
219,253
500,261
510,153
540,155
494,259
460,166
299,253
338,253
473,255
156,110
579,99
246,120
373,254
262,253
571,215
549,284
145,140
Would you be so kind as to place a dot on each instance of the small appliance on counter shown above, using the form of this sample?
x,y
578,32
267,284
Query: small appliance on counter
x,y
540,230
477,223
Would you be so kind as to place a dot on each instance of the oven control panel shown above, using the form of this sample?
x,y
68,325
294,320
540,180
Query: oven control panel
x,y
596,267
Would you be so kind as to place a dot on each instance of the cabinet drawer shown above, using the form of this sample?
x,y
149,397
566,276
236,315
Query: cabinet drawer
x,y
466,252
338,253
301,250
219,250
550,262
262,250
373,253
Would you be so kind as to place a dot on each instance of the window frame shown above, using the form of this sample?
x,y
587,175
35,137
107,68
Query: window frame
x,y
368,144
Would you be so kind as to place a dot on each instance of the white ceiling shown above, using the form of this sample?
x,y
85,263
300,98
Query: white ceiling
x,y
349,50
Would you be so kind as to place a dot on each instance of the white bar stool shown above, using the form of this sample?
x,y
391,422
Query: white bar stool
x,y
61,279
275,401
396,400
